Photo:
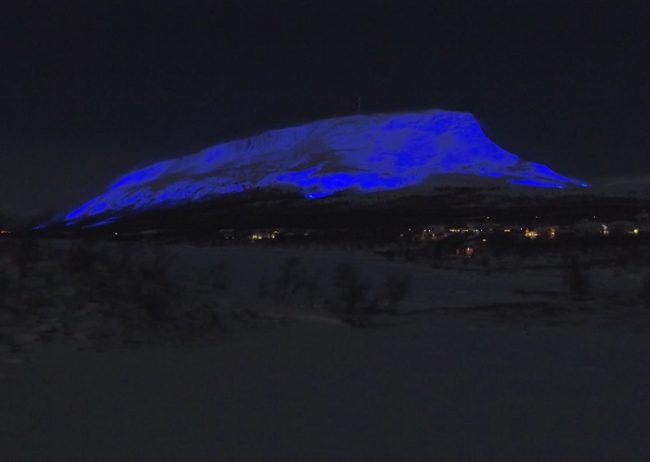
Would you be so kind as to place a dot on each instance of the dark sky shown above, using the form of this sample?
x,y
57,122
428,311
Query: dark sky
x,y
89,89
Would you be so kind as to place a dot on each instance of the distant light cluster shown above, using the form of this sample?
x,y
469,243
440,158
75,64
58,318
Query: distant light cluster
x,y
365,153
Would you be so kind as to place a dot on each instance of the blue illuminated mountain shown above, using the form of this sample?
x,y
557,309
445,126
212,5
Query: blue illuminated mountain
x,y
363,153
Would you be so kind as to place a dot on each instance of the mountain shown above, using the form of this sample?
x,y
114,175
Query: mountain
x,y
361,153
623,186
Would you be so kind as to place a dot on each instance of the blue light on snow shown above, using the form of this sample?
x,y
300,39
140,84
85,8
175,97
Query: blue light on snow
x,y
366,153
102,222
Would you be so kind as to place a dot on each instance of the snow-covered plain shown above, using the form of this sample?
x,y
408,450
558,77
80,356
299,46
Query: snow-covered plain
x,y
257,357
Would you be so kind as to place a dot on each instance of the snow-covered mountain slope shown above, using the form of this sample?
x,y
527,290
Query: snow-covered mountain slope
x,y
631,186
366,152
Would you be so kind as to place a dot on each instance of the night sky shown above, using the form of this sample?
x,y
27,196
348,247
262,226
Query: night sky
x,y
90,89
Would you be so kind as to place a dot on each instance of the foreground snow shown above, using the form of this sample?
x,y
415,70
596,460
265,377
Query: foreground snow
x,y
434,390
256,358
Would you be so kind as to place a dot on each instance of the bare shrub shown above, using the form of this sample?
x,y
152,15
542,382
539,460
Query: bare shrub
x,y
201,319
5,282
486,263
397,288
575,276
124,259
156,304
288,279
27,252
435,254
311,289
151,289
352,290
220,276
85,257
263,287
644,293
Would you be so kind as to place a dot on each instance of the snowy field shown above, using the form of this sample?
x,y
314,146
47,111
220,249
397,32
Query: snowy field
x,y
132,352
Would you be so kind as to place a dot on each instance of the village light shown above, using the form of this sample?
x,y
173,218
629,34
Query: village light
x,y
531,234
